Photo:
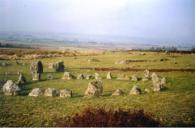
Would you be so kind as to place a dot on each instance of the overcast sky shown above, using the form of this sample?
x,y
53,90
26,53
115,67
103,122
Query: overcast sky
x,y
167,20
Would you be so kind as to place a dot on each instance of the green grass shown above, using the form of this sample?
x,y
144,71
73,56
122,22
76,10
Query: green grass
x,y
174,106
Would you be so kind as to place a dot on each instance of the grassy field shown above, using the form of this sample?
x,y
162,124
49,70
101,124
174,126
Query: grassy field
x,y
174,106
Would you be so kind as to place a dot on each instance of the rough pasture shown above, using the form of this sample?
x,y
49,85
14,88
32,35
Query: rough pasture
x,y
173,106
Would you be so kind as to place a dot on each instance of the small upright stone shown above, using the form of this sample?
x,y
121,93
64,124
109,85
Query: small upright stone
x,y
109,76
36,92
11,88
51,92
95,88
135,90
21,79
146,75
134,78
97,76
80,77
65,93
36,70
58,66
118,92
89,77
68,76
122,77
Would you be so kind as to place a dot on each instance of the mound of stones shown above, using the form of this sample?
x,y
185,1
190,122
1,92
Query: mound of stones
x,y
95,88
65,93
36,92
68,76
58,66
36,69
11,88
117,92
135,90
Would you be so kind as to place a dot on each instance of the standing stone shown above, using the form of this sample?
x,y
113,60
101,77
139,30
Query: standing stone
x,y
10,88
147,90
36,70
118,92
65,93
109,76
122,77
36,92
89,77
58,66
95,88
80,77
21,79
51,92
68,76
158,83
134,78
135,90
97,76
146,75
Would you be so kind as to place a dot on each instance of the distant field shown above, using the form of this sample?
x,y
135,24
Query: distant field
x,y
174,106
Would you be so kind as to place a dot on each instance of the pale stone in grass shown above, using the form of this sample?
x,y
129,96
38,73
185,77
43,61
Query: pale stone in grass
x,y
10,88
135,90
52,92
68,76
89,77
21,79
80,77
65,93
36,92
122,77
134,78
117,92
97,76
95,88
109,76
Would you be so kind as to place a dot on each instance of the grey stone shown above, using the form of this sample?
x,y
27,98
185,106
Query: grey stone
x,y
95,88
68,76
134,78
52,92
36,92
65,93
80,77
109,76
10,88
122,77
135,90
89,77
97,76
21,79
117,92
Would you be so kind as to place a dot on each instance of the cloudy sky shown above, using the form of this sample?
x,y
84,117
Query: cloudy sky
x,y
163,20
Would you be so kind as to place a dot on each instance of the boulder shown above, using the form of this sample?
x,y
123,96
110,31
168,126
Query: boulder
x,y
117,92
80,77
135,90
51,92
65,93
68,76
21,79
58,66
89,77
95,88
134,78
122,77
109,76
10,88
36,92
97,76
